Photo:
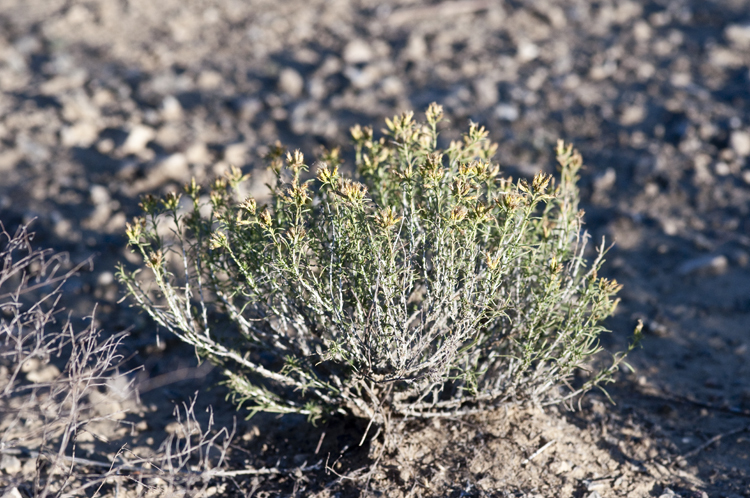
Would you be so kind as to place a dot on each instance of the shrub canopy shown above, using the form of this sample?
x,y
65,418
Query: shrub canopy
x,y
427,285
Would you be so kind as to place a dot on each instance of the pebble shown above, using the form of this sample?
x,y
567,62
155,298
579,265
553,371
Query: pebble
x,y
137,139
198,153
392,86
105,278
605,181
632,115
738,35
10,465
486,92
506,112
290,82
316,87
416,48
209,80
174,167
362,78
357,51
740,141
248,108
527,51
724,57
99,194
43,375
105,406
81,134
171,110
235,154
642,31
13,493
705,265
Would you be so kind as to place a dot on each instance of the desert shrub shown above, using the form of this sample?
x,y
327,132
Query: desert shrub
x,y
427,285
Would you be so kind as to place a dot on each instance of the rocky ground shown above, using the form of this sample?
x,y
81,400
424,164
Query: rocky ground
x,y
105,100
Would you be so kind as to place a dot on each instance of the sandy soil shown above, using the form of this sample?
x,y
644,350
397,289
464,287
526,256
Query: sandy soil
x,y
104,100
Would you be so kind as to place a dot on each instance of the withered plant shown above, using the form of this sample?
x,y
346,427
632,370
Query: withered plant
x,y
45,409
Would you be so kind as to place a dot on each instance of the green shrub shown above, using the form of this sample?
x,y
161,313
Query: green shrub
x,y
428,286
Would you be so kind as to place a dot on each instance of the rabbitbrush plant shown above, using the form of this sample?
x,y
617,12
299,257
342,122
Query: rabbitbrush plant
x,y
427,285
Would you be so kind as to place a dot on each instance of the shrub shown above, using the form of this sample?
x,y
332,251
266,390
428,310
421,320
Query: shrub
x,y
429,285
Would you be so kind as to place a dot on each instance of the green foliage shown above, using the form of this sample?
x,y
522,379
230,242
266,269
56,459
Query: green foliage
x,y
429,285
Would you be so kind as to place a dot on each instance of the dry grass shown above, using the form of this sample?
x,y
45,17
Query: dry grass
x,y
53,385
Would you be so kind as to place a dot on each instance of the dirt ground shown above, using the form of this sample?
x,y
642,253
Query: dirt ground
x,y
104,100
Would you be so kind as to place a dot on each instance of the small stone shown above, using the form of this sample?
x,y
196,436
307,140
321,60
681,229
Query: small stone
x,y
317,88
724,57
105,278
105,145
13,492
641,31
99,194
704,265
174,167
30,365
138,138
506,112
235,154
248,108
561,467
632,115
169,136
43,375
416,48
527,51
209,80
357,52
183,429
670,225
62,83
738,35
680,80
81,134
740,141
198,154
722,168
392,86
605,181
290,82
171,110
362,78
27,44
10,464
486,92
